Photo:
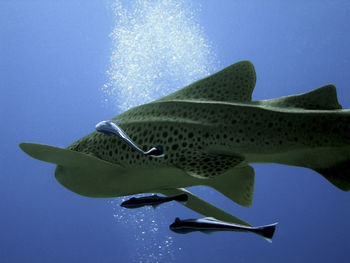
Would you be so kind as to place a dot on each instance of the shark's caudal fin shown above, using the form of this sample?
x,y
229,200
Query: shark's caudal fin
x,y
234,83
324,98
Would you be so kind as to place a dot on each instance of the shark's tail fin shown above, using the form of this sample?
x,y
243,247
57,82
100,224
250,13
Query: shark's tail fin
x,y
337,161
338,175
266,231
181,197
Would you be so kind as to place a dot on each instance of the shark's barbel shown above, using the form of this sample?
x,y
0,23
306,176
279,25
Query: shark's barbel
x,y
210,131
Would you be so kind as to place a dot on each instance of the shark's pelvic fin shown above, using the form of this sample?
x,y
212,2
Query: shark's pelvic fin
x,y
237,184
324,98
234,83
338,175
202,207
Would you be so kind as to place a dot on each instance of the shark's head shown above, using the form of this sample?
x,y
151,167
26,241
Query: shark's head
x,y
101,146
85,167
103,166
79,170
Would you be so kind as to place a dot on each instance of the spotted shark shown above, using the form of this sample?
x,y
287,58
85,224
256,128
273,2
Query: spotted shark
x,y
209,133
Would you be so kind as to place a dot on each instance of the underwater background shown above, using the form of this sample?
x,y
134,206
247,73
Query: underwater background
x,y
66,65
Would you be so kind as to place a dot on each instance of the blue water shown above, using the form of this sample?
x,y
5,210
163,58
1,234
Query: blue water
x,y
66,65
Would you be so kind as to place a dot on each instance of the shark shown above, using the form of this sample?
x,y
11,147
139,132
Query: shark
x,y
210,132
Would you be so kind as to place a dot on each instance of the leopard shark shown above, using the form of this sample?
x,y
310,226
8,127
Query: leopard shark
x,y
210,132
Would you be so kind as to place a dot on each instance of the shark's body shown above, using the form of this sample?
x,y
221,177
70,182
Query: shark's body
x,y
210,131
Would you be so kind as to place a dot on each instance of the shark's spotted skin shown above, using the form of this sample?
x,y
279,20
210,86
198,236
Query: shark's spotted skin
x,y
184,148
209,130
206,133
214,137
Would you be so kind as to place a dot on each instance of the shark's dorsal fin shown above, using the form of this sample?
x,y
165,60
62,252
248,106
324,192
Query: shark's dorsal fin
x,y
234,83
324,98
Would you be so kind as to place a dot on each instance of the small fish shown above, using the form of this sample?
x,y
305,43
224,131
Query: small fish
x,y
153,200
210,224
110,127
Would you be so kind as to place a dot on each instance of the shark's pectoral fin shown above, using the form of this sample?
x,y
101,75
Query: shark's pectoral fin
x,y
205,165
202,207
82,173
64,157
236,184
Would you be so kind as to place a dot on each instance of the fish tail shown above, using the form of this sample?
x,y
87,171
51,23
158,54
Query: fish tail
x,y
266,231
181,198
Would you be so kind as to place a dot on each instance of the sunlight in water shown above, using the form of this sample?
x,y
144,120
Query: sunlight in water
x,y
158,47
